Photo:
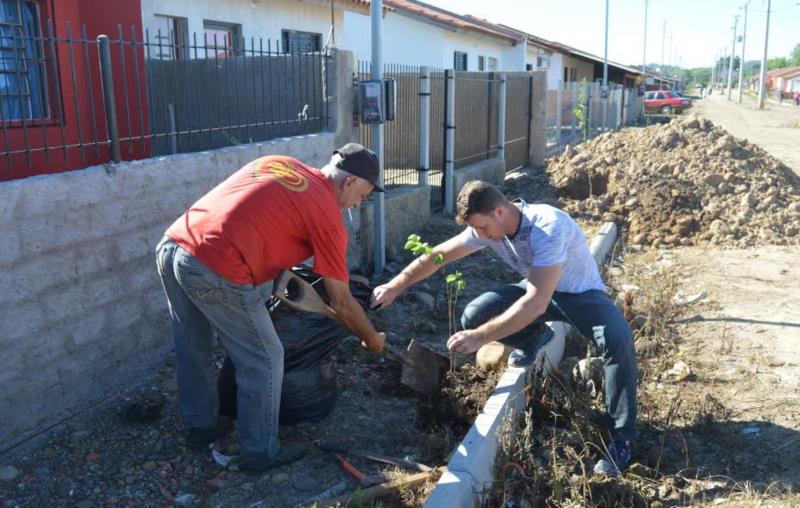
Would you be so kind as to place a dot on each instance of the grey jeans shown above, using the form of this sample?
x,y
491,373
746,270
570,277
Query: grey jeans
x,y
200,302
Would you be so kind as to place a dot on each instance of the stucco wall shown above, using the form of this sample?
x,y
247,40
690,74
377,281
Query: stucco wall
x,y
413,42
263,19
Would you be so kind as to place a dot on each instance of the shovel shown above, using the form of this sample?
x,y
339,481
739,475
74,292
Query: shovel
x,y
422,368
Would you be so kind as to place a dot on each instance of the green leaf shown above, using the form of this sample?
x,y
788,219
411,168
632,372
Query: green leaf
x,y
438,259
413,238
409,245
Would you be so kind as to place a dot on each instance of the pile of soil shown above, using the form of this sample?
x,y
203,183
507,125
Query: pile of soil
x,y
682,183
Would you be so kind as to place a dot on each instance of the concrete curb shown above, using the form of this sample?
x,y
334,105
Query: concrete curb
x,y
470,469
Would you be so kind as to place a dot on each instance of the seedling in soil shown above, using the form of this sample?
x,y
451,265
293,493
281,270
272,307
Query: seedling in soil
x,y
454,283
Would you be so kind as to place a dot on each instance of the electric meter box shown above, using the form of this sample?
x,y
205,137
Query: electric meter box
x,y
377,100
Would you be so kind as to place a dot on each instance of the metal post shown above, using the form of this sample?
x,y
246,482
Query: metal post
x,y
558,114
107,83
574,124
449,141
501,119
379,206
644,42
762,88
424,125
741,60
733,52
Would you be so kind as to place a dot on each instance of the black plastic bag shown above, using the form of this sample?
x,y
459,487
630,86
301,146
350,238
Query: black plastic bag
x,y
309,378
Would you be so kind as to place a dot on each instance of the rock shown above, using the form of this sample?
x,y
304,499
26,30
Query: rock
x,y
185,500
280,478
426,299
580,159
492,355
79,435
714,180
305,483
718,226
631,202
8,472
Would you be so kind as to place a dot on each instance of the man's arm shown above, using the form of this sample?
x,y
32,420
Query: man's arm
x,y
352,315
541,284
419,269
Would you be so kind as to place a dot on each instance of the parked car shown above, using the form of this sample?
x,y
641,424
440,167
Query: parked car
x,y
665,102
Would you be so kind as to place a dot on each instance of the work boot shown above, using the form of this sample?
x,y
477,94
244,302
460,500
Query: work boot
x,y
616,460
199,438
525,357
260,462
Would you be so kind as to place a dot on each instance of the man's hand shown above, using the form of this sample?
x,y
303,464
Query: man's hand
x,y
376,344
383,296
465,341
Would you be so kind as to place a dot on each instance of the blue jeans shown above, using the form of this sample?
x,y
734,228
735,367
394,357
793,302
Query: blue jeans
x,y
585,311
201,302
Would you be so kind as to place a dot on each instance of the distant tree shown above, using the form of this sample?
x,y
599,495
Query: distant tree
x,y
794,56
777,63
700,76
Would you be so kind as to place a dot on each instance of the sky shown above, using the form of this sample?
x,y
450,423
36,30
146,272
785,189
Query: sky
x,y
696,30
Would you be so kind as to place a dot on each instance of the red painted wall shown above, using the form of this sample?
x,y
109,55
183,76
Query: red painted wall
x,y
99,17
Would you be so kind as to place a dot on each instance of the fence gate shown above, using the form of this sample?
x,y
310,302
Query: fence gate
x,y
519,90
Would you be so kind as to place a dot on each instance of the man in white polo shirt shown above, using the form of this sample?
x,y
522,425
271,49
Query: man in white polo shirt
x,y
560,283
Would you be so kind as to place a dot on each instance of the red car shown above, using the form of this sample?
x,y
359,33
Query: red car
x,y
665,102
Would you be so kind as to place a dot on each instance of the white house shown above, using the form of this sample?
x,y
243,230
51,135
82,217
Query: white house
x,y
294,25
415,33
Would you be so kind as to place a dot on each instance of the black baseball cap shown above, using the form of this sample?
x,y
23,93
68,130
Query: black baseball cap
x,y
361,162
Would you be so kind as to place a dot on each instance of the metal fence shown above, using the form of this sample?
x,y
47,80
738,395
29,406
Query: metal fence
x,y
564,124
476,117
401,136
70,101
519,94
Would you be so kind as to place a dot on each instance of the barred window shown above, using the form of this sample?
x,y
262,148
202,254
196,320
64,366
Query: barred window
x,y
23,87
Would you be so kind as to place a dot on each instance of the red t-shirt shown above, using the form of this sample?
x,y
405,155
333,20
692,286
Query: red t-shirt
x,y
270,215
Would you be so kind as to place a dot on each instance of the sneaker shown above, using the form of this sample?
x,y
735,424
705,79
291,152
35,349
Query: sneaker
x,y
199,438
617,459
525,357
287,453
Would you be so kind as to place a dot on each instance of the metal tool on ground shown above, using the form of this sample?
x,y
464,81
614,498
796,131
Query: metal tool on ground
x,y
384,459
363,479
385,488
423,367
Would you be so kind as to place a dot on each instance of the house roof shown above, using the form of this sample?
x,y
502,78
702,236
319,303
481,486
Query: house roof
x,y
449,19
784,72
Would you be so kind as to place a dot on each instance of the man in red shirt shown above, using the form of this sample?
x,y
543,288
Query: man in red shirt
x,y
217,263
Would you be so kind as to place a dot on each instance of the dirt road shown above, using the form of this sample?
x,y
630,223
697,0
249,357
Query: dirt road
x,y
776,129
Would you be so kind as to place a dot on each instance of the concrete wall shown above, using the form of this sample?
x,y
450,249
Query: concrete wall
x,y
490,170
82,310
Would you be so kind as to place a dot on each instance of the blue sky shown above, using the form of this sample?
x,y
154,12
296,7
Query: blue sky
x,y
699,29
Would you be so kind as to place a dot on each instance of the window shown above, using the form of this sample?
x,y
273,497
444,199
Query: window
x,y
459,61
542,61
491,64
300,42
23,85
528,67
660,96
573,74
566,74
481,63
221,39
168,38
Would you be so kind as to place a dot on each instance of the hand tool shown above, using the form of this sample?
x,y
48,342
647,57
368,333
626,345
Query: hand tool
x,y
404,463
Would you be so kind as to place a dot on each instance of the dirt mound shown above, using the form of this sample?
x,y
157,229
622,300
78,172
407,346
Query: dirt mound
x,y
682,183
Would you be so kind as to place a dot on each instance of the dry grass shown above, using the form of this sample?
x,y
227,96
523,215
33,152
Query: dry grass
x,y
546,454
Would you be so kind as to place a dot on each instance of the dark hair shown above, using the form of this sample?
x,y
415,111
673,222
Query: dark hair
x,y
477,196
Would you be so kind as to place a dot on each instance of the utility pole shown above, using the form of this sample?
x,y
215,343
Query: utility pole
x,y
378,204
605,56
733,51
663,40
741,60
762,87
644,43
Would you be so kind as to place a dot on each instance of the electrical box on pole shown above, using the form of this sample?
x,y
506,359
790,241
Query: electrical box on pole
x,y
377,100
